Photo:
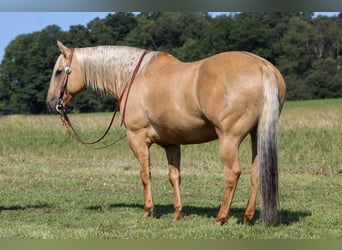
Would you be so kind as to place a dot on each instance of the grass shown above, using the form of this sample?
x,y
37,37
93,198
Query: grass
x,y
54,188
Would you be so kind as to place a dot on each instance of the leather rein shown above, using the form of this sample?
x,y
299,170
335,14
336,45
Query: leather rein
x,y
65,119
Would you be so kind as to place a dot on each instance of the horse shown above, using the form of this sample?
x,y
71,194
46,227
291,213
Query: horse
x,y
170,103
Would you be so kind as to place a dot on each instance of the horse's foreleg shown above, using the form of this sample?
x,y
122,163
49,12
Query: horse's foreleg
x,y
250,209
173,158
141,151
232,170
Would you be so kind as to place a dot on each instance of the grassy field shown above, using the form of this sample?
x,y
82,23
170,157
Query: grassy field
x,y
51,187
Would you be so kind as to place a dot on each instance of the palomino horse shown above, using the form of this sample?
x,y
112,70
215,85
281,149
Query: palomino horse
x,y
226,96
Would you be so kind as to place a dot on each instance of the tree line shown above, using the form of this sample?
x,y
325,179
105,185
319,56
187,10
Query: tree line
x,y
306,49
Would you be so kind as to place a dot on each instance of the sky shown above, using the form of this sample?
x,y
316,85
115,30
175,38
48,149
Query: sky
x,y
13,24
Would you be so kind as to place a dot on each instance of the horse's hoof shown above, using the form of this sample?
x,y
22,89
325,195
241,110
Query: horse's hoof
x,y
147,214
246,222
218,223
177,215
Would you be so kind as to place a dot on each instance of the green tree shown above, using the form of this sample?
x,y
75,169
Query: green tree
x,y
141,35
99,32
190,51
77,36
217,36
250,34
26,71
323,80
111,30
13,75
167,31
295,58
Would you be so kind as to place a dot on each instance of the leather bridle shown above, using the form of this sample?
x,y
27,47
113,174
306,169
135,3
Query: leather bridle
x,y
62,111
67,70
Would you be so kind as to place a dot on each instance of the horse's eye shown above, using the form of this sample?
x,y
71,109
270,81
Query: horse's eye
x,y
58,72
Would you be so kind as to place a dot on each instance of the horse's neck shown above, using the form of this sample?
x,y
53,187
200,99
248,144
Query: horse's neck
x,y
108,68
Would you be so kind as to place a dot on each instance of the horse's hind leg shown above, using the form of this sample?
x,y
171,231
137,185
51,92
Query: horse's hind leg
x,y
173,158
229,153
250,209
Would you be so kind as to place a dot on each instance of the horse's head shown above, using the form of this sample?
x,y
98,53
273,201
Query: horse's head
x,y
66,81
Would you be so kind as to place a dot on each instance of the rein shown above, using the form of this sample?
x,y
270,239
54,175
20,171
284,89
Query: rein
x,y
65,119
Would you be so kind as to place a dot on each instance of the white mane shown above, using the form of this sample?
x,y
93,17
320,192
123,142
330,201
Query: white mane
x,y
108,68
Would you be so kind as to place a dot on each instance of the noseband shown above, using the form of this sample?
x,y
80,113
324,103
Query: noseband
x,y
67,70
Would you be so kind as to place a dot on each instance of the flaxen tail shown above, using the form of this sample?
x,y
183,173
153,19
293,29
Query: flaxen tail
x,y
268,148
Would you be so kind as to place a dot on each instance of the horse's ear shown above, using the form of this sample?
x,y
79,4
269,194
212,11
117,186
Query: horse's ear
x,y
63,49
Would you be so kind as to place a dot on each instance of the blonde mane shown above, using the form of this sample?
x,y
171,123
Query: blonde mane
x,y
108,68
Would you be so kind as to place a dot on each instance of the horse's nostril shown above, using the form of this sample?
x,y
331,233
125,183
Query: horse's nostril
x,y
48,107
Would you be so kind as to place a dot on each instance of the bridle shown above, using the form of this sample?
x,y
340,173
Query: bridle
x,y
67,70
62,111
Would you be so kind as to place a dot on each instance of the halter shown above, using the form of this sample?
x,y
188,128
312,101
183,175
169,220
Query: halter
x,y
65,119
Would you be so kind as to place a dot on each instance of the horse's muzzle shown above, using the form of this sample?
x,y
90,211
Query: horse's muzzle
x,y
51,105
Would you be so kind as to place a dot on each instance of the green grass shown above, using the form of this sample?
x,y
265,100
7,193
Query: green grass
x,y
51,187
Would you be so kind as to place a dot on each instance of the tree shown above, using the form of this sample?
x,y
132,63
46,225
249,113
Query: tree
x,y
217,37
26,70
13,68
295,58
190,51
167,31
250,34
141,35
120,23
99,32
77,36
111,30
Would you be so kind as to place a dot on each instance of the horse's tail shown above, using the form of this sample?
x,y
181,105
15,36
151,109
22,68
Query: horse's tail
x,y
268,147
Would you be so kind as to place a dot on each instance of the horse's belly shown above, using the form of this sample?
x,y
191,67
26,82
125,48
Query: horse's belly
x,y
169,135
